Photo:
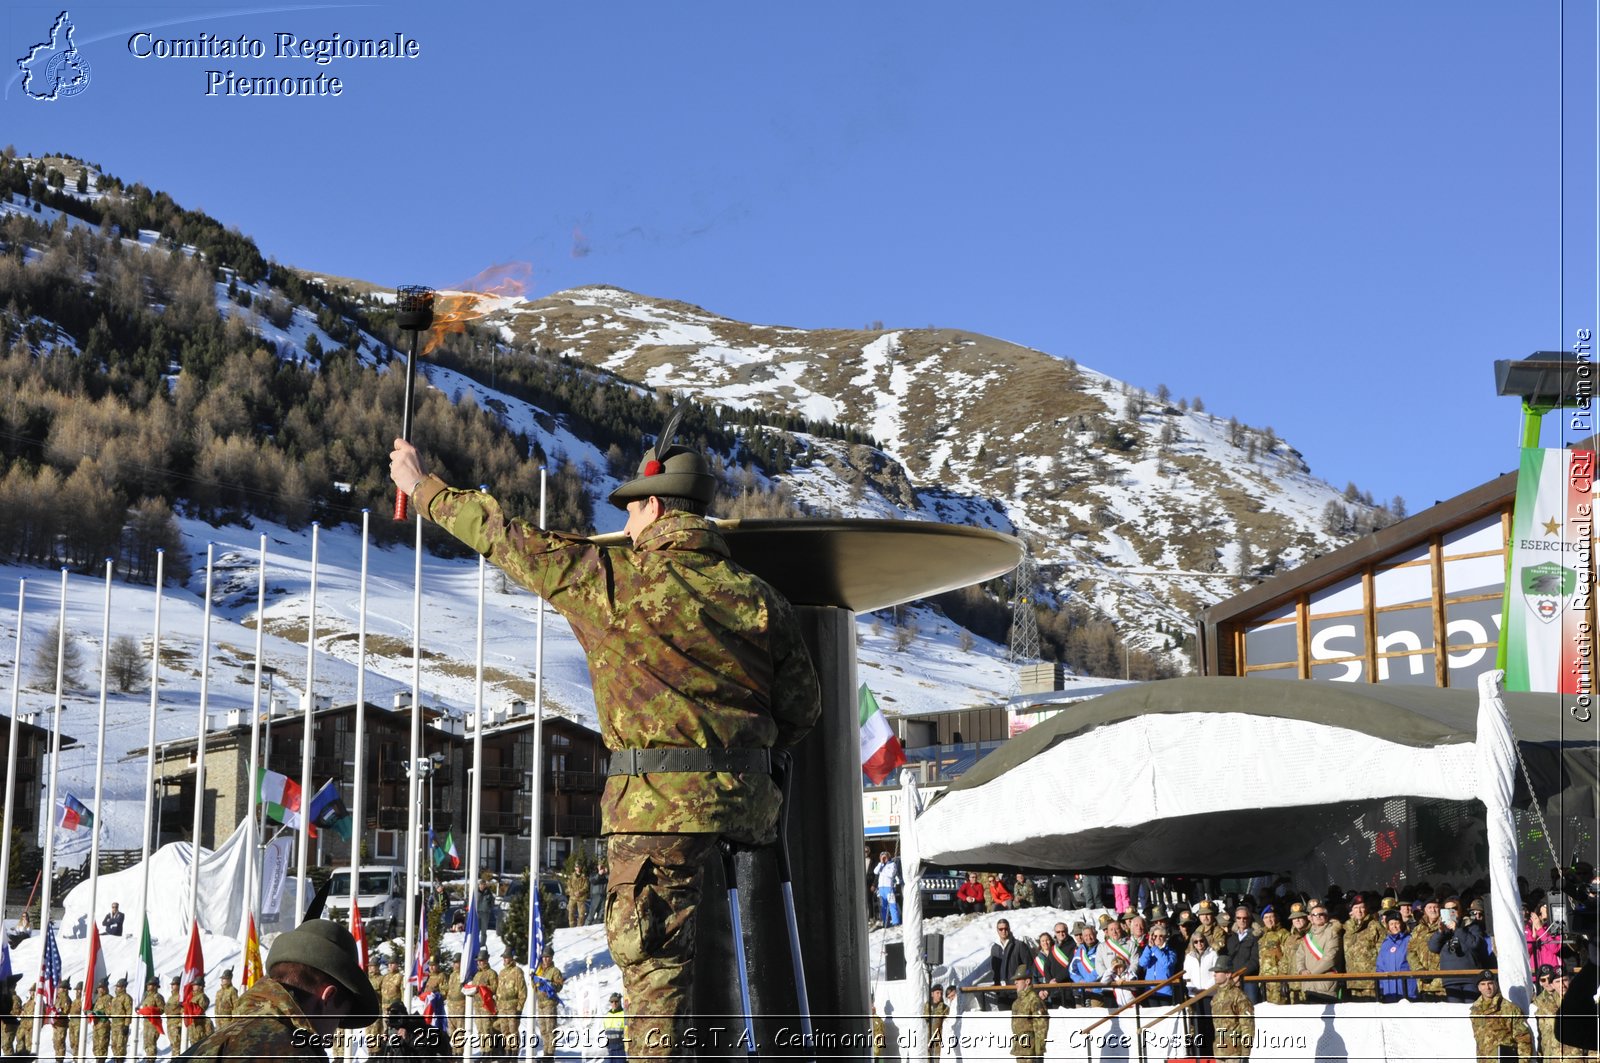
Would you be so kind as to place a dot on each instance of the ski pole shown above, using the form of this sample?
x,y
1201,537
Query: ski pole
x,y
781,768
738,948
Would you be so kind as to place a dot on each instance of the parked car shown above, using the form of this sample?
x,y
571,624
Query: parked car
x,y
380,891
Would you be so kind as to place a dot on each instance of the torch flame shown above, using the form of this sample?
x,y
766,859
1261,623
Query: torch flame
x,y
454,310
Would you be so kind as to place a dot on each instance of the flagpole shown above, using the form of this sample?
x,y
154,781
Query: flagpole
x,y
55,757
357,809
150,776
11,759
536,818
200,746
413,784
252,891
475,796
99,790
305,745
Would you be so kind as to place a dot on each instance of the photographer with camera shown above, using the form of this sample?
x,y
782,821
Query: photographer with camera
x,y
1461,945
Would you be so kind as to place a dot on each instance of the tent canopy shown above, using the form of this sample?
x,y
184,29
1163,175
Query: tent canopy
x,y
1223,775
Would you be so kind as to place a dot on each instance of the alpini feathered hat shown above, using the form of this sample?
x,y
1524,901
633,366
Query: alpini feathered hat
x,y
670,471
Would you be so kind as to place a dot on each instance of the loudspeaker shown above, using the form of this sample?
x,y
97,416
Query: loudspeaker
x,y
894,961
933,949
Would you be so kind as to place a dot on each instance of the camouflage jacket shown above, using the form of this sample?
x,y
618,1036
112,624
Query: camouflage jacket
x,y
542,1002
1234,1018
685,648
511,990
1499,1022
1030,1024
227,1002
121,1009
267,1025
1361,941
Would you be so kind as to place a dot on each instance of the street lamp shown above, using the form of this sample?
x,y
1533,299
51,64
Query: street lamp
x,y
425,768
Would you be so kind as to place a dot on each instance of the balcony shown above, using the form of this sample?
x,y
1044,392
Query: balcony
x,y
504,823
576,781
505,779
581,824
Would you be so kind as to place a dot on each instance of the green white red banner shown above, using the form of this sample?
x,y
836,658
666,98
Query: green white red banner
x,y
1549,643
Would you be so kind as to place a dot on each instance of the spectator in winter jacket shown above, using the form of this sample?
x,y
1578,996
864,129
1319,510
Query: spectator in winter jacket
x,y
1158,960
1459,943
1244,948
999,894
1005,956
970,895
888,878
1392,959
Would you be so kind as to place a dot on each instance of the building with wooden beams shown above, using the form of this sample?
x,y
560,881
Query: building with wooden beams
x,y
1418,602
27,786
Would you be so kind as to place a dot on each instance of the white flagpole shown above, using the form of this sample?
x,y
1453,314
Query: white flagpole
x,y
358,811
99,796
252,891
475,797
536,821
305,745
414,784
11,755
55,758
200,746
150,776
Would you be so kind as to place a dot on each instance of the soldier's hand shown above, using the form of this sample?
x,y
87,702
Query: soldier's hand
x,y
405,466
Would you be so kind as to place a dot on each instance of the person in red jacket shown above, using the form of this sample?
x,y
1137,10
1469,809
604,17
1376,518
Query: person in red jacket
x,y
970,896
999,893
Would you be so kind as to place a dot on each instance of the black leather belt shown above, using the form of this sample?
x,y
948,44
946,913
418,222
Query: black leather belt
x,y
646,761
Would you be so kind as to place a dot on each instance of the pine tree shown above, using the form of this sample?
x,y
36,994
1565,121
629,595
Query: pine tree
x,y
44,662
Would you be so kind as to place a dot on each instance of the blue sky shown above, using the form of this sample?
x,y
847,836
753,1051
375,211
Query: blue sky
x,y
1329,218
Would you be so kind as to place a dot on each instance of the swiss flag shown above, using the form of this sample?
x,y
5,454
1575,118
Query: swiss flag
x,y
358,931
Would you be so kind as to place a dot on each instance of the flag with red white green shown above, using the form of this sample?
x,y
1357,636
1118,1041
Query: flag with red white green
x,y
880,749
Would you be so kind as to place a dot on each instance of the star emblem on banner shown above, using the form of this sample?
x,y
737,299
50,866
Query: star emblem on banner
x,y
1552,527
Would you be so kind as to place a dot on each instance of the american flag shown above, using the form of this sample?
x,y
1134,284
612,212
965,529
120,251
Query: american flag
x,y
50,971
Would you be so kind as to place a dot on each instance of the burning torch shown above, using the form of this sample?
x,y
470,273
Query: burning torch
x,y
414,306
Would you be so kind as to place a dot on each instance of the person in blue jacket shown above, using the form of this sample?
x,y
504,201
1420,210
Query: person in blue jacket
x,y
1158,960
1392,959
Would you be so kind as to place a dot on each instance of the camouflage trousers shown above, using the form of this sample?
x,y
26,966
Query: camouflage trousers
x,y
652,901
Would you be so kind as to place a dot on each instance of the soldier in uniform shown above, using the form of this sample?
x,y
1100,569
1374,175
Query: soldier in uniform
x,y
544,1004
455,1006
1363,934
1497,1023
878,1038
392,989
200,1023
510,994
1022,893
151,1007
486,1004
1299,926
373,1031
65,1021
937,1010
1233,1017
24,1027
577,892
175,1023
700,671
1215,933
121,1011
1421,957
314,985
1030,1022
227,1001
99,1015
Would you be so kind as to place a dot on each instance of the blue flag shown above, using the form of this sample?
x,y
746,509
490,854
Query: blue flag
x,y
535,950
469,947
5,961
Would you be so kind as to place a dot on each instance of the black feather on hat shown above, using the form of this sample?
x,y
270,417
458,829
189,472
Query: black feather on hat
x,y
669,471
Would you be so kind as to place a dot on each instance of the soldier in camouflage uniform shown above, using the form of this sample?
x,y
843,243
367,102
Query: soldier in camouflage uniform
x,y
485,1006
8,1028
200,1023
1233,1017
1215,933
227,1001
1421,957
175,1020
24,1028
1497,1023
74,1015
100,1016
121,1011
373,1031
1030,1022
1363,934
577,883
1299,926
314,987
699,672
510,994
392,989
455,1006
937,1010
151,1006
544,1005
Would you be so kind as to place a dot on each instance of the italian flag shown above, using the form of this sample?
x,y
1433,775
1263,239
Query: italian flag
x,y
880,749
281,796
446,853
1549,587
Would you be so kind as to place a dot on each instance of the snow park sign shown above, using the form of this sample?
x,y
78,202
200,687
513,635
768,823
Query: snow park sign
x,y
1420,602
